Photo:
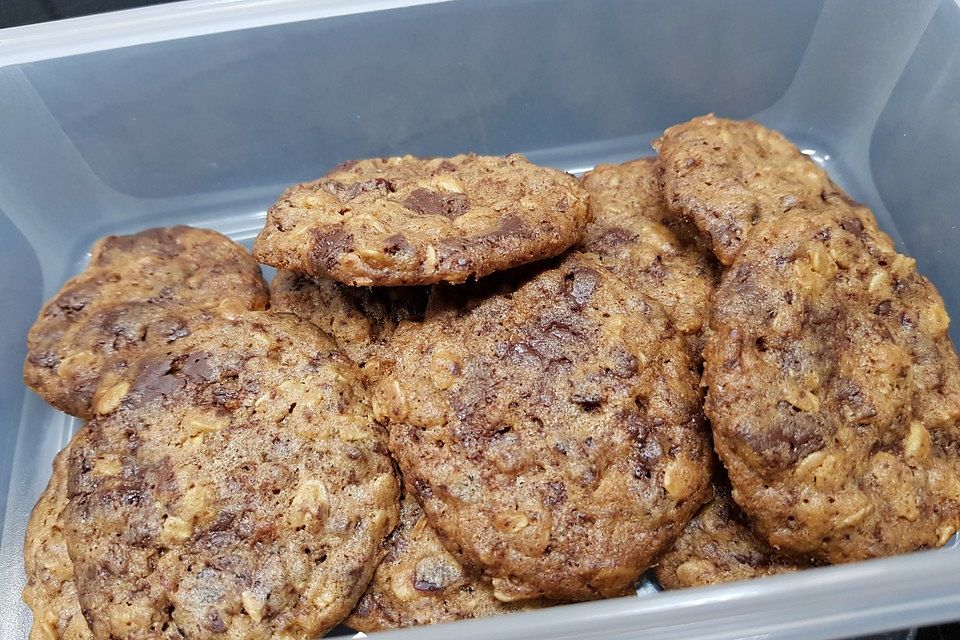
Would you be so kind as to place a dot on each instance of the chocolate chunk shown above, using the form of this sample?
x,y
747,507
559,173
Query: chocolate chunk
x,y
852,225
511,225
425,202
196,366
580,284
154,380
162,241
556,493
422,488
74,300
613,237
435,574
587,398
518,351
792,436
330,244
173,330
47,360
623,364
347,192
214,622
397,243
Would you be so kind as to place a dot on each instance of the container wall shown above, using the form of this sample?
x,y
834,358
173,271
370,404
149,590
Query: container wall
x,y
915,155
281,103
207,130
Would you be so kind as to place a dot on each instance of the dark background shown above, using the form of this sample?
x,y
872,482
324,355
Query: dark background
x,y
19,12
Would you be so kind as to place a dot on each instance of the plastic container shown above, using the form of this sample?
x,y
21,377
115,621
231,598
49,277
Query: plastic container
x,y
201,112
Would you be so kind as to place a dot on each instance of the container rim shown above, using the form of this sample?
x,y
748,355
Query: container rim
x,y
171,21
830,602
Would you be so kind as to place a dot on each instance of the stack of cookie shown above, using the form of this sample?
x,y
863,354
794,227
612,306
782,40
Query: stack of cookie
x,y
833,386
478,386
230,478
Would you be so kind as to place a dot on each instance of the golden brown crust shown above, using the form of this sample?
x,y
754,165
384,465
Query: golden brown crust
x,y
407,221
718,546
51,591
727,175
550,427
234,484
419,582
360,319
130,282
646,245
834,391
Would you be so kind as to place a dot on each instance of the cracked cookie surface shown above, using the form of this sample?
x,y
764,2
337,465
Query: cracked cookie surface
x,y
408,221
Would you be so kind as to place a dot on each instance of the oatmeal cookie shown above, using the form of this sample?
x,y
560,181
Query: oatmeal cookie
x,y
409,221
233,484
834,391
725,176
130,282
549,424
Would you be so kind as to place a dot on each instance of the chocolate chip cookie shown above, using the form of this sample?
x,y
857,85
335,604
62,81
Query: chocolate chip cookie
x,y
130,282
727,175
407,221
360,319
834,391
234,484
51,591
718,546
647,246
419,582
549,423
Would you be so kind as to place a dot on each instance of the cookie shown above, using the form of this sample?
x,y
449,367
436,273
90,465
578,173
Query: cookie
x,y
407,221
233,485
727,175
549,424
51,591
834,391
419,582
647,246
718,546
360,319
129,282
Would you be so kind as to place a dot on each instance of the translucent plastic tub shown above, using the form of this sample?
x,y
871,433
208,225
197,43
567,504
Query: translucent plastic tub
x,y
201,112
